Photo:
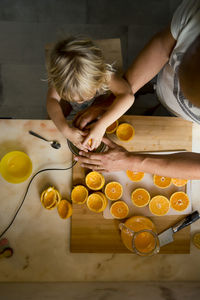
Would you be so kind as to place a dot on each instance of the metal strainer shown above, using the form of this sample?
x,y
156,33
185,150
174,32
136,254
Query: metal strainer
x,y
75,150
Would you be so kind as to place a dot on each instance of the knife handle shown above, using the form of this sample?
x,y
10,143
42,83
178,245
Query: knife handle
x,y
193,217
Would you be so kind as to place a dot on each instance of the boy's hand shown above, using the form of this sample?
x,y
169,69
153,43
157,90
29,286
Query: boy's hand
x,y
94,137
88,115
76,136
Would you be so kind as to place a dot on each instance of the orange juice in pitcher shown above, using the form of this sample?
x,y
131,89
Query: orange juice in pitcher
x,y
139,235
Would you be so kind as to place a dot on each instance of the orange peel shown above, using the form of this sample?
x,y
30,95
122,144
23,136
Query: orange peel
x,y
79,194
95,180
50,198
64,209
96,203
125,132
112,128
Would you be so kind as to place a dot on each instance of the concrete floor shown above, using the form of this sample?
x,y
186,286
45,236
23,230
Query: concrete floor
x,y
26,26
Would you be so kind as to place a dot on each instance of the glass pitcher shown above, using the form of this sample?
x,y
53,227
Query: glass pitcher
x,y
139,236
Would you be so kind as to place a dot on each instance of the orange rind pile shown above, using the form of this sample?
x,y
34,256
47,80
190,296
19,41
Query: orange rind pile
x,y
95,201
51,198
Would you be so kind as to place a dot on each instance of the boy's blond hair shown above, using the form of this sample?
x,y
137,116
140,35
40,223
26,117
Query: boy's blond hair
x,y
76,67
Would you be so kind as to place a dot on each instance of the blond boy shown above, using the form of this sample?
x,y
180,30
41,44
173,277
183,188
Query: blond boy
x,y
77,73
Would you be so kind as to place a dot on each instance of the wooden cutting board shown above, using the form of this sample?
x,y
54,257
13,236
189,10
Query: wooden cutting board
x,y
90,232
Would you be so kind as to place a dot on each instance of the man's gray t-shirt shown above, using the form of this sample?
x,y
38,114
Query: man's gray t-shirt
x,y
185,27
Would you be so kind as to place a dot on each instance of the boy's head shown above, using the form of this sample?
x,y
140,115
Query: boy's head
x,y
77,70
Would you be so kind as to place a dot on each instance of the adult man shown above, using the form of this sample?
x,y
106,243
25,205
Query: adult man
x,y
174,53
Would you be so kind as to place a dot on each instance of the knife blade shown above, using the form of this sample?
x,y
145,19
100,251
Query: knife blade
x,y
166,237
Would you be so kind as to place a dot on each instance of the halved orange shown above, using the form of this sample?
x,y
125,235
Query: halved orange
x,y
64,209
134,176
159,205
79,194
161,181
50,198
179,201
110,129
95,180
119,210
179,182
113,190
96,203
140,197
125,132
196,239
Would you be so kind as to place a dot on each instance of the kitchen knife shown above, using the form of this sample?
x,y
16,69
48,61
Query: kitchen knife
x,y
166,236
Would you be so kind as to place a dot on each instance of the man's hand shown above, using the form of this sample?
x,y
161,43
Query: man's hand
x,y
116,158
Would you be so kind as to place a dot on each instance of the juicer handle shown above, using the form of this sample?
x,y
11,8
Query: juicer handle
x,y
128,230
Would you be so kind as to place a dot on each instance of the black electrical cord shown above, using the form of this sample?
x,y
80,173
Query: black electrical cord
x,y
43,170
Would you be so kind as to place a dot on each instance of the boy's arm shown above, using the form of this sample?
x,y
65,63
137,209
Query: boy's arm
x,y
93,112
123,101
151,59
55,111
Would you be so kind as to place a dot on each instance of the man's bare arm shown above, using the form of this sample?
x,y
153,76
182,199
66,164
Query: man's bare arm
x,y
151,59
185,165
